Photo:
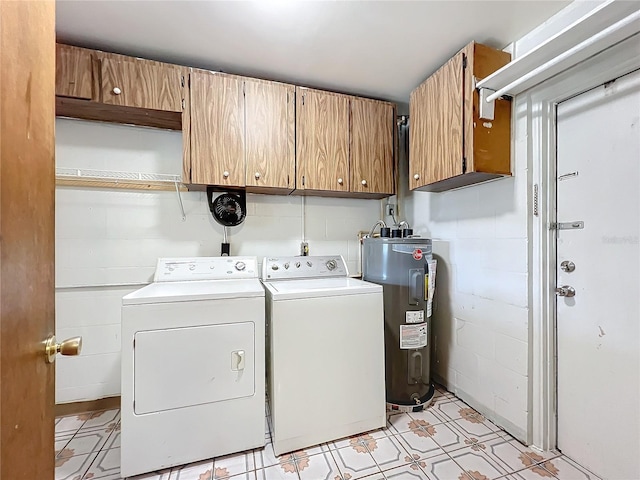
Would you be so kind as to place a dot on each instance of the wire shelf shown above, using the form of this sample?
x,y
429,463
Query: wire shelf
x,y
115,176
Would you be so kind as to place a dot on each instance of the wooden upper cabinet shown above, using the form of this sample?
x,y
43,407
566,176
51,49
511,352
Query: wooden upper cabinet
x,y
435,135
134,82
449,145
322,120
217,129
372,135
269,135
74,72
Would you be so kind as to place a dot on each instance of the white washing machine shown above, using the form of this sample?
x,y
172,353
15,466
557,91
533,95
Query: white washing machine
x,y
193,364
325,351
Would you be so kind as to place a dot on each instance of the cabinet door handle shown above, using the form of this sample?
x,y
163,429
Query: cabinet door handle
x,y
340,181
416,176
257,175
364,182
116,91
225,174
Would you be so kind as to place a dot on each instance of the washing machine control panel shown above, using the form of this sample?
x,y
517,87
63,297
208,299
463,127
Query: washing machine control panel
x,y
205,268
281,268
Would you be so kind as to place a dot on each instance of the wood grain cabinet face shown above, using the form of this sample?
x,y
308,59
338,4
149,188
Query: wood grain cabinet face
x,y
217,130
269,134
73,72
133,82
435,135
322,121
449,145
372,134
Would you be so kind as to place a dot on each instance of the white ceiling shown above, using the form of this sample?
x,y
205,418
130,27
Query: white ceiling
x,y
372,48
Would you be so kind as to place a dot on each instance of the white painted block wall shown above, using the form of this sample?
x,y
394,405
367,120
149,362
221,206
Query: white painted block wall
x,y
108,240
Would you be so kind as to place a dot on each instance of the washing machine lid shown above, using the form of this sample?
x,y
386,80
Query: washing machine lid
x,y
319,287
165,292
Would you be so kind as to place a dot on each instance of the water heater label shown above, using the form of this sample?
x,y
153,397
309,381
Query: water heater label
x,y
413,336
414,316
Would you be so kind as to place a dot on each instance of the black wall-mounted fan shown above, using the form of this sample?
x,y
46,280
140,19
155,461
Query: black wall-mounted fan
x,y
229,210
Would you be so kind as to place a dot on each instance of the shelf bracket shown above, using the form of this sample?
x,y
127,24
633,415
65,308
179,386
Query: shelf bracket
x,y
184,216
487,109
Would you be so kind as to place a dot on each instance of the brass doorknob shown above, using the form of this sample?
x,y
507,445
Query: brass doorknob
x,y
70,346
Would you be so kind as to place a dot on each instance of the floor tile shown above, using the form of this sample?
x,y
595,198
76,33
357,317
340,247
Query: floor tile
x,y
86,442
355,461
389,453
537,472
399,422
234,464
159,475
276,472
265,457
445,435
410,471
70,424
443,467
475,425
61,442
194,471
319,467
477,465
450,408
72,467
566,469
420,446
428,415
106,463
511,454
104,419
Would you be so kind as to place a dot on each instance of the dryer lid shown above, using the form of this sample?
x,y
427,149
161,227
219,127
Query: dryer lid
x,y
165,292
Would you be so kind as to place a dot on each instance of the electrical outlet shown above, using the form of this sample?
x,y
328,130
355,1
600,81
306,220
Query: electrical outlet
x,y
390,209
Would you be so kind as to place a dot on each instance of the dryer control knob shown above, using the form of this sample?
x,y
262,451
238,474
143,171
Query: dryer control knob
x,y
309,264
240,266
274,267
331,265
297,264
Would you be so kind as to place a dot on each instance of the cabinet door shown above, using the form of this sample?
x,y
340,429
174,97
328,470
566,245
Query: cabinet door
x,y
134,82
270,125
217,129
73,72
372,129
322,140
436,115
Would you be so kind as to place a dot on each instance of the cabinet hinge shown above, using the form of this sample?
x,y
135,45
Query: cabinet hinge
x,y
287,180
464,61
183,104
243,85
303,99
464,164
303,175
182,81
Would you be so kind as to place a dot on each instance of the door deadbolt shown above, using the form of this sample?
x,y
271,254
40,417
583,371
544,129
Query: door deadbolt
x,y
567,266
566,291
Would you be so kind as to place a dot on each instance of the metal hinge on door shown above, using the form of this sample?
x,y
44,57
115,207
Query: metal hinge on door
x,y
183,104
578,225
303,99
182,81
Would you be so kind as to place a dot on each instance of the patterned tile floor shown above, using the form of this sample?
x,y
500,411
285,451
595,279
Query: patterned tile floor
x,y
449,441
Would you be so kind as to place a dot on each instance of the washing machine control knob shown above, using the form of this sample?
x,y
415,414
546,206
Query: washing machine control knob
x,y
192,267
286,266
240,266
309,264
274,267
297,264
331,265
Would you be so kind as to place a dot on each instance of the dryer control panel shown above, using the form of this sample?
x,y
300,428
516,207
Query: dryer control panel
x,y
284,268
205,268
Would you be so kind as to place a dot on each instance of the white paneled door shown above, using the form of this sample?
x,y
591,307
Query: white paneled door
x,y
598,142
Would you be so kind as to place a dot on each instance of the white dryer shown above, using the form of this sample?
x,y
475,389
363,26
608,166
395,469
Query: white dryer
x,y
325,351
193,364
